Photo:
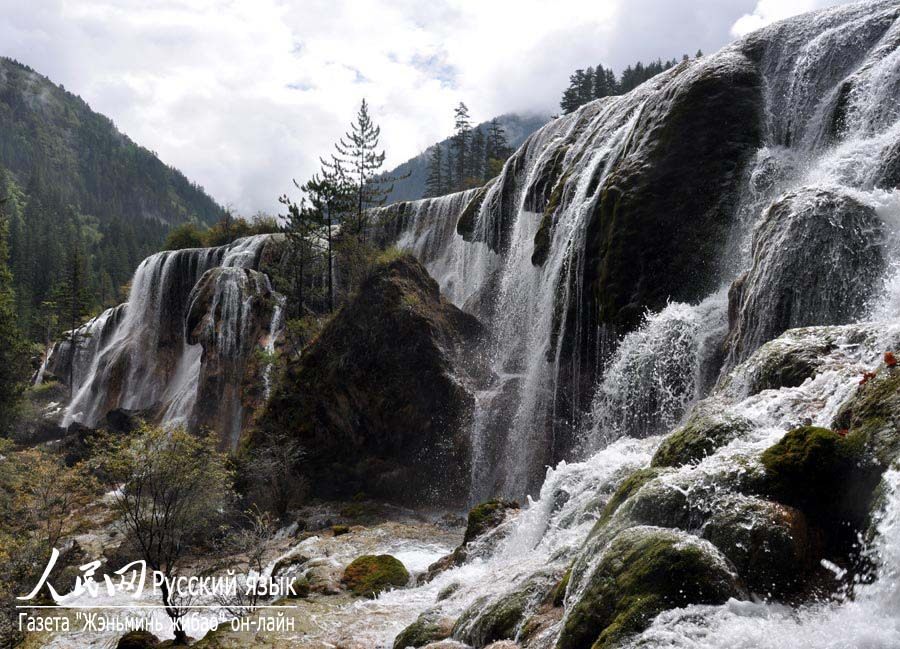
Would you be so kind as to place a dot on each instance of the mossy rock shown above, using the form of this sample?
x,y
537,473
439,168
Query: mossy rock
x,y
643,572
698,438
465,226
486,622
825,473
485,517
340,530
874,413
771,545
628,488
429,627
787,363
370,574
137,640
558,596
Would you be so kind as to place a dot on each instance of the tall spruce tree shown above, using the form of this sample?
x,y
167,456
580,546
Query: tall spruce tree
x,y
476,160
460,145
496,150
358,162
435,184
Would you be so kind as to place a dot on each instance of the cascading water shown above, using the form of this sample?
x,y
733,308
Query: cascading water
x,y
826,169
138,356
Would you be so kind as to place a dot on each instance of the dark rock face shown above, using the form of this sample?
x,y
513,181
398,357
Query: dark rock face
x,y
382,399
817,256
665,211
230,316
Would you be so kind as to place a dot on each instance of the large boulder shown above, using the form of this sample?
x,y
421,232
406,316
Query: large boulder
x,y
644,571
817,256
370,574
383,397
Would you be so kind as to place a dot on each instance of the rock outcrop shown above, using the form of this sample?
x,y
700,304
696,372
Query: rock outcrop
x,y
383,398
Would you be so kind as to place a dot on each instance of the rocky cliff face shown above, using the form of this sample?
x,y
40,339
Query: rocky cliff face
x,y
764,166
383,399
184,350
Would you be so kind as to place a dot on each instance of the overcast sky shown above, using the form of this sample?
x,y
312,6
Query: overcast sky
x,y
243,95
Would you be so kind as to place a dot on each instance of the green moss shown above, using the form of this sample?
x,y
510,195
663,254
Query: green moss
x,y
871,414
559,592
484,623
340,530
465,226
486,516
699,437
643,572
426,629
628,488
543,235
824,473
369,575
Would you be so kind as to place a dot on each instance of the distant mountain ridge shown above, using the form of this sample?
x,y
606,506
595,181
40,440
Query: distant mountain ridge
x,y
46,130
517,127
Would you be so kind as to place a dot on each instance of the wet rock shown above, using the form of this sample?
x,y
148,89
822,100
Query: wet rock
x,y
137,640
660,223
123,420
771,545
825,473
382,399
369,575
465,226
230,313
873,413
485,517
429,627
817,255
706,430
644,571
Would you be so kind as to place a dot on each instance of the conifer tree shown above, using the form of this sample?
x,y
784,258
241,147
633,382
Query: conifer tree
x,y
496,149
435,184
476,160
460,145
358,162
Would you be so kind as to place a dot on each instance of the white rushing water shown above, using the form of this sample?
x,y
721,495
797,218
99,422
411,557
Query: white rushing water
x,y
137,356
832,138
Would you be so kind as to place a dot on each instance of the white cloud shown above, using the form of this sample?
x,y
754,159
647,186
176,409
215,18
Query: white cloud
x,y
243,95
767,12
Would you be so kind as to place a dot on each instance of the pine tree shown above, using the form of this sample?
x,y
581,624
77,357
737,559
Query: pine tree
x,y
358,162
12,347
476,159
460,144
435,184
496,149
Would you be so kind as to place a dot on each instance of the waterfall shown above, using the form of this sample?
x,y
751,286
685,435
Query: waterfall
x,y
138,356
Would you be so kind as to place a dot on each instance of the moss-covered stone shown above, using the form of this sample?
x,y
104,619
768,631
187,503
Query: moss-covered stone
x,y
700,436
465,226
644,571
369,575
485,622
382,399
874,414
544,234
825,473
486,516
771,545
340,530
429,627
559,592
628,488
137,640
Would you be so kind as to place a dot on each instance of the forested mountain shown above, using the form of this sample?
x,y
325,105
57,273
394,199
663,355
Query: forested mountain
x,y
516,127
80,193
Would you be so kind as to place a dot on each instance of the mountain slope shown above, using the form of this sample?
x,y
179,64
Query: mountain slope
x,y
47,130
517,127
